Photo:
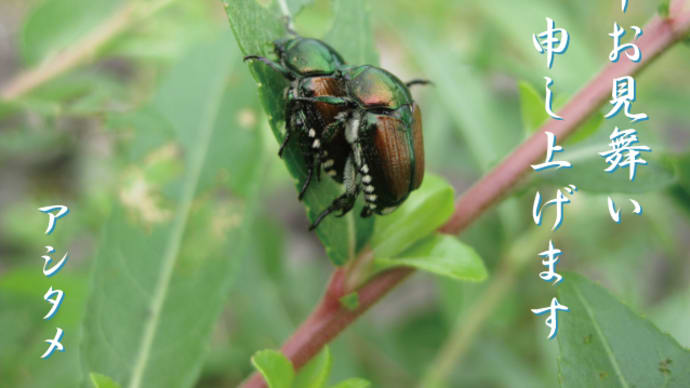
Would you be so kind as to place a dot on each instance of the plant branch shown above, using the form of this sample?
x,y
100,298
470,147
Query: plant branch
x,y
330,318
80,51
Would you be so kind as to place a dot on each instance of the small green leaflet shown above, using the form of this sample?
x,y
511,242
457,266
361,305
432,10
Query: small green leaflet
x,y
350,301
534,114
274,367
421,214
663,8
441,255
315,373
100,381
278,372
353,383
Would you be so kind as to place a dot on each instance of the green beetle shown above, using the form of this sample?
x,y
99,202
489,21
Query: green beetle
x,y
383,126
312,69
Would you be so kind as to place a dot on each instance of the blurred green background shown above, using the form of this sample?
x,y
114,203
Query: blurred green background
x,y
109,137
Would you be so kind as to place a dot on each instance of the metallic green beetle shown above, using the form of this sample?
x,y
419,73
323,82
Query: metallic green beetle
x,y
383,126
311,67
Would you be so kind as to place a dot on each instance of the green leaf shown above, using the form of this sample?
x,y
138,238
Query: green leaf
x,y
100,381
586,129
587,172
471,107
276,369
173,31
673,316
353,383
315,373
55,24
24,332
680,192
442,255
255,29
8,108
663,8
534,115
295,6
683,169
178,230
424,211
350,301
605,344
351,33
531,107
22,281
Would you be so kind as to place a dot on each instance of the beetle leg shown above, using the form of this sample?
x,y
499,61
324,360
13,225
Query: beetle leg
x,y
318,166
292,119
347,204
418,82
285,73
284,143
332,128
351,186
326,137
333,207
307,181
344,202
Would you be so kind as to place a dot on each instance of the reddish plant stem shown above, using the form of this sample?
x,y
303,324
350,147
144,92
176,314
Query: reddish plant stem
x,y
330,317
659,34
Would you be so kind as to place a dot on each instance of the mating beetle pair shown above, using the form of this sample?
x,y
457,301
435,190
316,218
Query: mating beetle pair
x,y
359,123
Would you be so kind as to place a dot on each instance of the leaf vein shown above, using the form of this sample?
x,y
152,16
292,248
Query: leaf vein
x,y
600,334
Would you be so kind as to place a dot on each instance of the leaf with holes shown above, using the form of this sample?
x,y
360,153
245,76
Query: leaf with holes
x,y
179,228
605,344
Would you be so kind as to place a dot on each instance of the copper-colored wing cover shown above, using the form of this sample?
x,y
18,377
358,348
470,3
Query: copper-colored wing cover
x,y
418,146
392,147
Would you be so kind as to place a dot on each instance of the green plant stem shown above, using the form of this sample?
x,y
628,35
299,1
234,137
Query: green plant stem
x,y
329,318
82,50
470,322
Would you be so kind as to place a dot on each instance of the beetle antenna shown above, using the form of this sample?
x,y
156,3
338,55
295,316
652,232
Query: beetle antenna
x,y
419,82
270,64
